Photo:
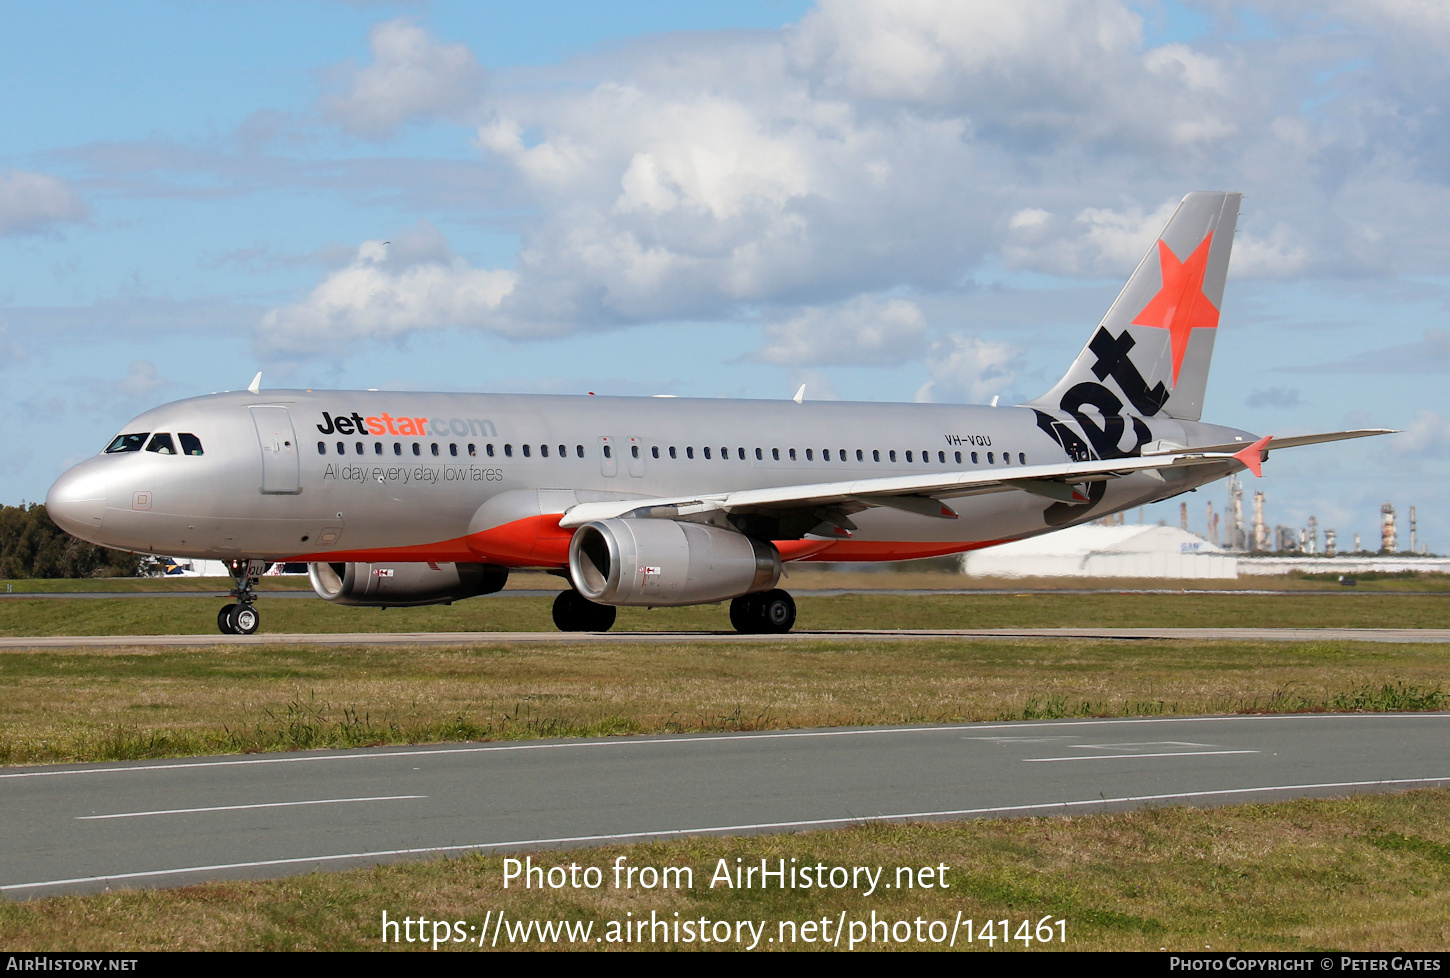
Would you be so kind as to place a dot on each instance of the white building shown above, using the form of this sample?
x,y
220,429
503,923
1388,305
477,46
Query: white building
x,y
1105,551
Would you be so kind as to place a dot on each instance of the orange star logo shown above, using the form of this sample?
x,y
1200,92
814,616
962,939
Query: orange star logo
x,y
1180,306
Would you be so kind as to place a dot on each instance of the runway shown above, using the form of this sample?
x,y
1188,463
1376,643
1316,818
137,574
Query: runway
x,y
160,823
1385,635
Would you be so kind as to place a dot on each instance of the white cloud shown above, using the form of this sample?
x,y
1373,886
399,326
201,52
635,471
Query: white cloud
x,y
1428,436
970,369
389,290
35,202
411,77
865,330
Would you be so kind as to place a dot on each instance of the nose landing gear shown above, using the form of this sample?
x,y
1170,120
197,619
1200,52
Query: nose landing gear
x,y
240,618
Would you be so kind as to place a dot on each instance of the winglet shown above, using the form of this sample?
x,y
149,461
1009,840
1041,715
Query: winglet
x,y
1253,456
800,395
255,386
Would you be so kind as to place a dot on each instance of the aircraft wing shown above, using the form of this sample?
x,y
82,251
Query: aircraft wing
x,y
921,494
1293,441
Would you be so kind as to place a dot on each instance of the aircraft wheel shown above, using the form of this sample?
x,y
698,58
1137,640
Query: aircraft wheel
x,y
244,620
777,612
224,619
745,615
575,613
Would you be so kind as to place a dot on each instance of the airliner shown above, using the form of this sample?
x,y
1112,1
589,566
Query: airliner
x,y
397,499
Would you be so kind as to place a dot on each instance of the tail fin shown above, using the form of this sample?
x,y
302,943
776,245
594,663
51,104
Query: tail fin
x,y
1150,354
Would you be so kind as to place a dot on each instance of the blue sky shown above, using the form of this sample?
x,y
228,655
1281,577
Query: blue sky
x,y
932,200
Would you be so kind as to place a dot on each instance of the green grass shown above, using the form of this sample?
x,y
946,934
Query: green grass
x,y
88,704
1364,873
168,616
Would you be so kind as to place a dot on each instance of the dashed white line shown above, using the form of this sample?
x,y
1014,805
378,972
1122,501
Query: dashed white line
x,y
1119,757
239,808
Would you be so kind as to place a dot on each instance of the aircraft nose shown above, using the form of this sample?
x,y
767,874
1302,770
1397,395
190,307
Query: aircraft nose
x,y
77,502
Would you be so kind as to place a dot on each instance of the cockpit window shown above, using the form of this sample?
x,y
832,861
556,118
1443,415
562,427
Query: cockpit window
x,y
190,444
162,444
126,443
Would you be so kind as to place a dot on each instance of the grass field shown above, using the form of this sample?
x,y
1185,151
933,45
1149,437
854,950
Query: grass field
x,y
88,704
1366,873
170,616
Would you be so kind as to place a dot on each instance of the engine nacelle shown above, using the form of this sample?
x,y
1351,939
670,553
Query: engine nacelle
x,y
660,563
404,585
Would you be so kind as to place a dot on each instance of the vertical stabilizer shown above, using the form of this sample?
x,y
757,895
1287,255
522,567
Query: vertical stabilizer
x,y
1150,354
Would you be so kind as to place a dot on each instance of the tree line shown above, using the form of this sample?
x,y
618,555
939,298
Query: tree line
x,y
32,546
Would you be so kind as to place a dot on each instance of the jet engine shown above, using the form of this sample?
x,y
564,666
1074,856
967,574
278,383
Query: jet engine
x,y
660,563
404,585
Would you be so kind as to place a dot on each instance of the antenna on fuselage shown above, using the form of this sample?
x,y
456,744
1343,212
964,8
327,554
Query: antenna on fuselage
x,y
800,395
255,386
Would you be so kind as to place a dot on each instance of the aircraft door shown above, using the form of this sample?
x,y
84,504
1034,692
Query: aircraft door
x,y
278,441
608,464
636,457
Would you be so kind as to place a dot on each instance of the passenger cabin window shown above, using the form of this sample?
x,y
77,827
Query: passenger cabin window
x,y
775,454
397,448
707,451
543,451
875,454
792,455
672,452
322,448
377,448
959,458
742,453
908,456
860,455
434,447
452,449
342,449
579,450
162,444
564,451
357,447
974,458
472,450
417,448
127,443
991,458
526,451
1021,458
190,444
689,451
654,450
488,449
891,454
810,454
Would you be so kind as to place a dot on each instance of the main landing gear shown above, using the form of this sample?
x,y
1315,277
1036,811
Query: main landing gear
x,y
240,618
575,613
765,613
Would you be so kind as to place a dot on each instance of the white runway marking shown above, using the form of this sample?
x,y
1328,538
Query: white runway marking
x,y
1119,757
722,829
240,808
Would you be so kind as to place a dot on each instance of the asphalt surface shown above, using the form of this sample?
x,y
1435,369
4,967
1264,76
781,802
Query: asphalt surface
x,y
798,592
1388,635
87,827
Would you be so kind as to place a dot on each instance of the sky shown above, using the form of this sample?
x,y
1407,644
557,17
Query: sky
x,y
915,201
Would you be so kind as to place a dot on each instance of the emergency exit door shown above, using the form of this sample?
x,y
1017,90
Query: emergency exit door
x,y
279,450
